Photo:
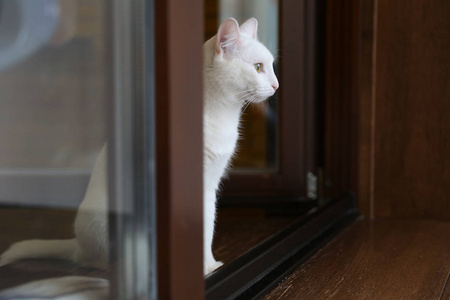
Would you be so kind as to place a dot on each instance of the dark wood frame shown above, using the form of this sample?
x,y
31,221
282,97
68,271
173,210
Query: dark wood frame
x,y
311,107
341,161
249,277
179,114
366,109
179,36
290,180
341,100
179,39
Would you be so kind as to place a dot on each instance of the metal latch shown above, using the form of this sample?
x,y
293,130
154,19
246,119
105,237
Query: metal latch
x,y
311,185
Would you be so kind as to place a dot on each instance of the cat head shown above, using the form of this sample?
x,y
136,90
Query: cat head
x,y
243,64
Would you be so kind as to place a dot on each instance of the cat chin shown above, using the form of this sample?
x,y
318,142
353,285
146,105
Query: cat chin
x,y
260,100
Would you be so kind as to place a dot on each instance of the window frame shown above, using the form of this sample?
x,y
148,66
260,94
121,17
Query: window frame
x,y
179,110
156,56
179,115
178,121
131,149
289,181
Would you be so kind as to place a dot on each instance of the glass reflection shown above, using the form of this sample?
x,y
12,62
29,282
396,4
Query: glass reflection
x,y
56,74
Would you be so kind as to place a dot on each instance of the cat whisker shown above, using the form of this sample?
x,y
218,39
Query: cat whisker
x,y
276,55
247,105
242,92
244,98
249,101
249,94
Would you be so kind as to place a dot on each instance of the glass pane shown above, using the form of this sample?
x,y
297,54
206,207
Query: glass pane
x,y
53,102
258,147
60,137
258,143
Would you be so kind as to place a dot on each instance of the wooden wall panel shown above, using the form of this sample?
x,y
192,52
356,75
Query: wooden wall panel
x,y
341,94
412,109
366,106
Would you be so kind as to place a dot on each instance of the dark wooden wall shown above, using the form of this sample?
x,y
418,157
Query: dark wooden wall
x,y
404,138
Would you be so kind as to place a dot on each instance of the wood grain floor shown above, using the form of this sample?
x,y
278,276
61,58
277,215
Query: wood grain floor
x,y
240,229
381,259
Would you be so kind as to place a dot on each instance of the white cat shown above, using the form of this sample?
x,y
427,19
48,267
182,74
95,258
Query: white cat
x,y
237,69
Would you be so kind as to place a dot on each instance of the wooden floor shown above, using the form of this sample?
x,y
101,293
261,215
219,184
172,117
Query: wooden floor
x,y
381,259
240,229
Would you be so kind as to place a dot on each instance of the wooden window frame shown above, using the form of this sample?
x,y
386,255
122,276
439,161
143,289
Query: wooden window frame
x,y
179,135
178,32
179,111
176,76
289,181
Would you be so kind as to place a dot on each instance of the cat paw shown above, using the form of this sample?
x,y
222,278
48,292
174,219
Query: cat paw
x,y
13,253
209,267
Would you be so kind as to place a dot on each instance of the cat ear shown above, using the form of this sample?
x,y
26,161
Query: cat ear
x,y
228,36
250,27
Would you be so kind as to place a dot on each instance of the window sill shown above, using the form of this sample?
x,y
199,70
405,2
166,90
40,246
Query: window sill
x,y
260,269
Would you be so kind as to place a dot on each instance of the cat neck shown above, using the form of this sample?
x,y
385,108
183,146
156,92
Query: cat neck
x,y
219,109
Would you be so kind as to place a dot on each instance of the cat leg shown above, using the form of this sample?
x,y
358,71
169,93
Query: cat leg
x,y
209,211
61,249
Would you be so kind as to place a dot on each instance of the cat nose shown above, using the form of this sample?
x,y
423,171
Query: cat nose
x,y
275,86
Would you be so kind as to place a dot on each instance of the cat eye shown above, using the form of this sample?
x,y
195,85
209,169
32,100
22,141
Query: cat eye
x,y
258,67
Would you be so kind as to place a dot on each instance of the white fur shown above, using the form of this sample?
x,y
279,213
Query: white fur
x,y
91,229
230,81
60,288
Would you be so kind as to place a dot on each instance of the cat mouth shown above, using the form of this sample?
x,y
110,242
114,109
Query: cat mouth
x,y
264,94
